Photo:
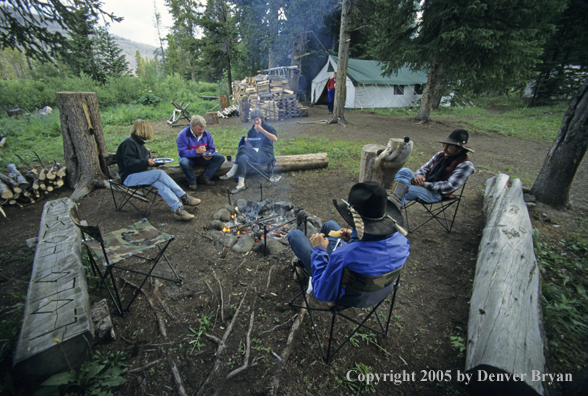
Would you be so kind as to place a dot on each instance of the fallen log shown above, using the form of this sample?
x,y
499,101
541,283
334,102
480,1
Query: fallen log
x,y
284,163
14,173
504,328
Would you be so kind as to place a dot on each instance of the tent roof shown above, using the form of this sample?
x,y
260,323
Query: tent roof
x,y
369,72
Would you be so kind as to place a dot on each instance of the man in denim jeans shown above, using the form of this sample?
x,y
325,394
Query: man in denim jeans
x,y
133,163
196,147
375,246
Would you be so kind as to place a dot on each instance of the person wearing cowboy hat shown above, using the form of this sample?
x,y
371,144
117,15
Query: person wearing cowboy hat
x,y
447,171
374,246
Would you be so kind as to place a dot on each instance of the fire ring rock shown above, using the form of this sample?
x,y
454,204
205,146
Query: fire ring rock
x,y
273,247
228,240
222,215
244,244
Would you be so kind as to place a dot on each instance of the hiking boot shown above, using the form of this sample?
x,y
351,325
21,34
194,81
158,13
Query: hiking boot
x,y
192,186
207,182
182,215
399,189
190,201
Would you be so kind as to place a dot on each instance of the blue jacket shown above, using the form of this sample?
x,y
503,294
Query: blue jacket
x,y
372,256
188,143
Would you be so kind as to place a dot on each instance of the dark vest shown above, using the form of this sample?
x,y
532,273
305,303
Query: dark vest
x,y
444,167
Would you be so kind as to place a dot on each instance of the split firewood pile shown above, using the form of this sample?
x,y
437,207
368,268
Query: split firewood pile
x,y
271,94
21,187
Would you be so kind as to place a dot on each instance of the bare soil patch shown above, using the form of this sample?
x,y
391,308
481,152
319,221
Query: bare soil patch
x,y
431,305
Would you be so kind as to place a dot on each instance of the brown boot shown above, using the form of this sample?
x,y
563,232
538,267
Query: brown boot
x,y
397,193
207,182
188,200
182,215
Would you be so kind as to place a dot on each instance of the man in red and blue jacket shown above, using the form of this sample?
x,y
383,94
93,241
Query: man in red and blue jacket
x,y
196,147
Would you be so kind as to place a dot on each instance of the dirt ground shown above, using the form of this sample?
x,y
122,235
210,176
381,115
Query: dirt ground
x,y
431,304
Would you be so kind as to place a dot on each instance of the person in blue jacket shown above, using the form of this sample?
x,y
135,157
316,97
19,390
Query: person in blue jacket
x,y
196,147
374,246
258,148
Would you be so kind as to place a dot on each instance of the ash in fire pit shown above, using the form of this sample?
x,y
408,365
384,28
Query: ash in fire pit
x,y
259,226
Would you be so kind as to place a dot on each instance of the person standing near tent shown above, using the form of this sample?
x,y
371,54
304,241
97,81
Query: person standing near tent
x,y
331,91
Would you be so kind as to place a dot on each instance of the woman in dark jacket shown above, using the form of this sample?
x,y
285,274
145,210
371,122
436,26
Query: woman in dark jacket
x,y
133,163
258,148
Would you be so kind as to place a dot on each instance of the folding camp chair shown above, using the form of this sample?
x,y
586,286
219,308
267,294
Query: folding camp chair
x,y
360,292
126,194
120,245
439,211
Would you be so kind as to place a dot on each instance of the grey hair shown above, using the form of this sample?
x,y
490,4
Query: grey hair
x,y
255,113
197,120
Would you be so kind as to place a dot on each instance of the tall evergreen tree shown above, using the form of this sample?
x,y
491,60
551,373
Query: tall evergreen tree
x,y
112,61
564,63
476,46
28,29
185,31
140,68
218,44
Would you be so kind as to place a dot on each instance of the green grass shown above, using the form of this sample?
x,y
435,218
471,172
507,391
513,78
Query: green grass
x,y
509,117
564,272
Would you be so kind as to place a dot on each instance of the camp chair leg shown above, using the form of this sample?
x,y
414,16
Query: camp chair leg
x,y
127,193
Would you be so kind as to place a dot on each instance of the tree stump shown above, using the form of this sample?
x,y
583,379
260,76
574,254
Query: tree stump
x,y
211,117
504,328
244,109
84,148
380,164
224,102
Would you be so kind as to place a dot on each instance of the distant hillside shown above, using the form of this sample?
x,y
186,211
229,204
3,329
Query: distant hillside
x,y
130,49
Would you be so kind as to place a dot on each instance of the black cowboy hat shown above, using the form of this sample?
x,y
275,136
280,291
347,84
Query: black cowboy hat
x,y
458,138
370,201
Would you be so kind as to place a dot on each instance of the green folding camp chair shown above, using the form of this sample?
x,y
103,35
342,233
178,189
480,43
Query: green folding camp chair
x,y
117,246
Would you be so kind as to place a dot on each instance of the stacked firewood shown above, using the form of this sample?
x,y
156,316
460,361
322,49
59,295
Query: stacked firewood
x,y
271,94
24,187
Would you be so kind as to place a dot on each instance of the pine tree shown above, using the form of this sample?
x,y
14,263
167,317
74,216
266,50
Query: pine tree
x,y
114,63
140,68
477,46
28,29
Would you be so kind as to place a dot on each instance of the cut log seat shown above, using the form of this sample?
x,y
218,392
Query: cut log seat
x,y
284,163
505,321
57,308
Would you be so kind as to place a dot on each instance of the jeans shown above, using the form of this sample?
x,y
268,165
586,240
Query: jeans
x,y
331,96
167,188
405,176
302,247
187,165
247,153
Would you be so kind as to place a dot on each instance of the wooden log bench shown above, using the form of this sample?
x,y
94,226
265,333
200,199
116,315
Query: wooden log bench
x,y
505,321
57,305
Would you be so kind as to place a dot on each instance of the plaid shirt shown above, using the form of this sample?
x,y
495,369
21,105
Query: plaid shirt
x,y
461,174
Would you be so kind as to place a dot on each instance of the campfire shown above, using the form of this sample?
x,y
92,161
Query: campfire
x,y
266,219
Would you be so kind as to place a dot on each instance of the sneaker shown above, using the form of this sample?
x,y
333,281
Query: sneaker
x,y
188,200
226,177
182,215
192,186
207,182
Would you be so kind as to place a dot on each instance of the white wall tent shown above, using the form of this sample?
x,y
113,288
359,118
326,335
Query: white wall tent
x,y
367,88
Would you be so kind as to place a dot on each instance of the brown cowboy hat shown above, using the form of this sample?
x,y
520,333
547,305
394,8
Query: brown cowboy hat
x,y
370,201
458,138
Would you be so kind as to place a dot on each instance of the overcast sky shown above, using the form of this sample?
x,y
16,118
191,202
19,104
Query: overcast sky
x,y
139,19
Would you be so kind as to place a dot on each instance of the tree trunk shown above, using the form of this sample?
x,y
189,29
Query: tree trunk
x,y
297,47
553,183
84,148
379,163
343,59
429,95
505,321
229,76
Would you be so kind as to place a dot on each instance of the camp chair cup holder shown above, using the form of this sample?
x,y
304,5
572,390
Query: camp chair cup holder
x,y
360,292
107,252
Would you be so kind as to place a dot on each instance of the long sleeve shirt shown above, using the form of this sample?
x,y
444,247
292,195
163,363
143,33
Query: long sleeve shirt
x,y
188,143
131,157
461,174
372,257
